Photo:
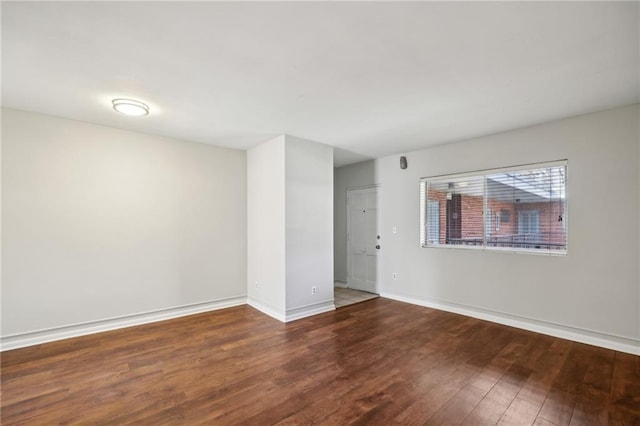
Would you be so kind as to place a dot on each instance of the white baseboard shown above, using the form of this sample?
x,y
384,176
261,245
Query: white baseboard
x,y
309,310
589,337
292,314
340,284
21,340
272,311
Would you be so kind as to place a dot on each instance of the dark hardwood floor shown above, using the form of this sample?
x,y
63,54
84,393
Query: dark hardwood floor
x,y
379,362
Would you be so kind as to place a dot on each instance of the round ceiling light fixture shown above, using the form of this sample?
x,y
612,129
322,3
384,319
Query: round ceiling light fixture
x,y
130,107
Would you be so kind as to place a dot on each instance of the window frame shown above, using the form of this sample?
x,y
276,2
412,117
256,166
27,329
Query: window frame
x,y
484,174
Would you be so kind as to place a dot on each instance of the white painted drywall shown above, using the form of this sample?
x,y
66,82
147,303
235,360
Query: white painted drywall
x,y
309,223
595,287
345,178
290,227
388,76
101,223
266,225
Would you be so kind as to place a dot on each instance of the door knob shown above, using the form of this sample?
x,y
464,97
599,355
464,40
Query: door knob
x,y
378,246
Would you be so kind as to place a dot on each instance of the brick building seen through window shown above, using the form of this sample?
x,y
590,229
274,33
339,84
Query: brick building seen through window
x,y
519,209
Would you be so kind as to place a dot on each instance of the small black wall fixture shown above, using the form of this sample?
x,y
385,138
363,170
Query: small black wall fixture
x,y
403,162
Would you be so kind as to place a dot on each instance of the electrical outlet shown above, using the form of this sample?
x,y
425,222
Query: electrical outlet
x,y
394,275
395,230
314,290
257,284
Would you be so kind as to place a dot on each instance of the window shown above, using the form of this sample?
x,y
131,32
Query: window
x,y
517,209
529,222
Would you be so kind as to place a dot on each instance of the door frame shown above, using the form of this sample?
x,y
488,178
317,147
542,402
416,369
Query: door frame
x,y
377,189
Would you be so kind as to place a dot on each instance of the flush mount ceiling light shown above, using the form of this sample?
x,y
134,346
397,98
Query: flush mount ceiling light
x,y
130,107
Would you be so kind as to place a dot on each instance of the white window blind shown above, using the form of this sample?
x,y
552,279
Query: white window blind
x,y
519,209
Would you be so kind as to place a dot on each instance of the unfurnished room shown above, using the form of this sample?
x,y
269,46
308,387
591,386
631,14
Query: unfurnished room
x,y
320,213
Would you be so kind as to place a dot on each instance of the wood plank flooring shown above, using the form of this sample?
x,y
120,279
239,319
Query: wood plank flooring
x,y
378,362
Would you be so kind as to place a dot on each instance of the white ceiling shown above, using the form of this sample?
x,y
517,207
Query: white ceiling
x,y
371,79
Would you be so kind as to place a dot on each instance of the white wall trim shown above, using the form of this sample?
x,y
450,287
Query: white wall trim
x,y
292,314
267,309
340,284
309,310
355,188
20,340
589,337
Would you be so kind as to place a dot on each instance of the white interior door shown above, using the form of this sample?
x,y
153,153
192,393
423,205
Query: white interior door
x,y
362,233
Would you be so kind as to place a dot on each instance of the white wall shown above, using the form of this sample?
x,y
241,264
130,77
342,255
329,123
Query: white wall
x,y
100,223
309,223
345,178
266,226
290,226
592,291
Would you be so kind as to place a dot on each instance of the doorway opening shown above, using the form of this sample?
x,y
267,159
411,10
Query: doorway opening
x,y
363,244
346,296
